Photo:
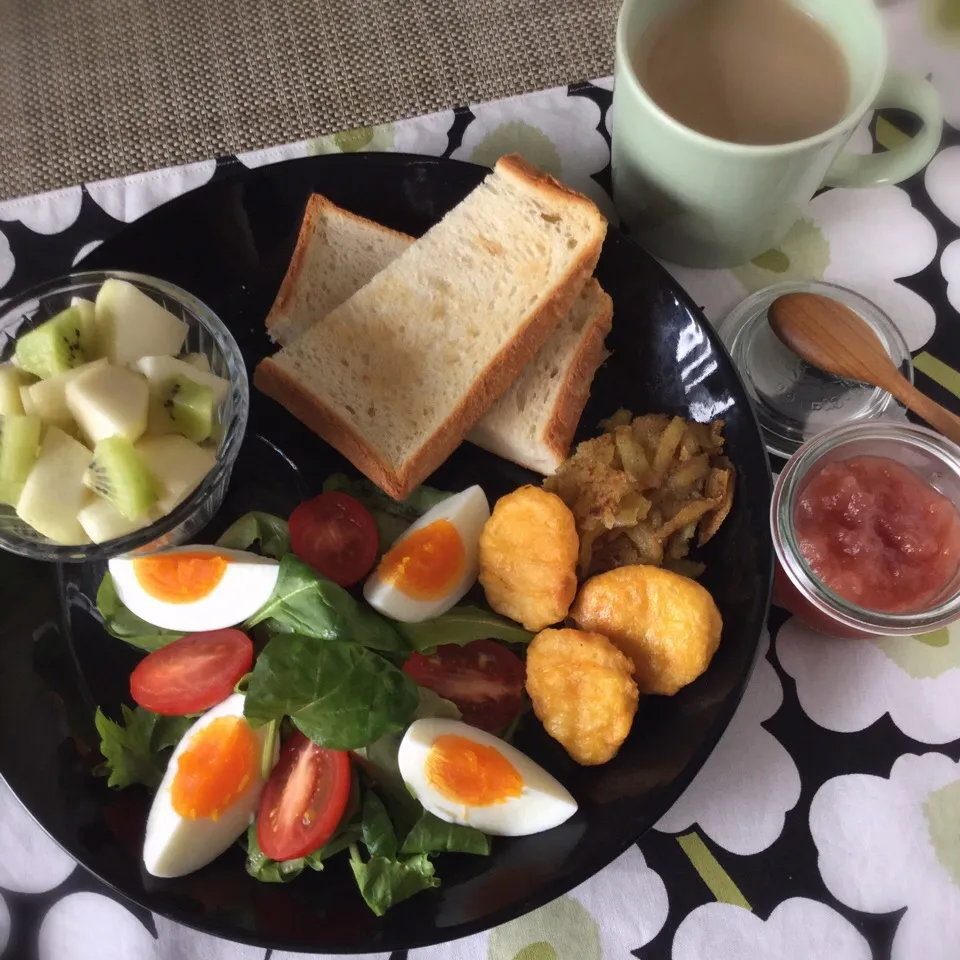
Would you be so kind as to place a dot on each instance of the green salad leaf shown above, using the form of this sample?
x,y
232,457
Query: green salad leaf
x,y
430,834
261,867
119,622
384,882
460,626
392,516
339,694
273,534
308,604
378,834
137,750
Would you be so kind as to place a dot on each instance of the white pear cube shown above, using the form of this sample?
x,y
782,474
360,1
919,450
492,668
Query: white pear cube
x,y
53,493
178,465
130,325
108,402
47,399
102,521
159,370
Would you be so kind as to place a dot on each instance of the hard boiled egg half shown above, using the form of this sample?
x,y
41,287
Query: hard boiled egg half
x,y
464,775
434,563
194,588
208,794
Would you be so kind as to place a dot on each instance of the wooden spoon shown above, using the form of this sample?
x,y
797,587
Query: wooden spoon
x,y
831,336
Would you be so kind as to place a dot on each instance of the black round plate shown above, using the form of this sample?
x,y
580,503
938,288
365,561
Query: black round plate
x,y
229,243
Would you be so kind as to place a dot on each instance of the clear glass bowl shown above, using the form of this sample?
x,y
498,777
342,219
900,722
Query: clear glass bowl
x,y
207,335
798,589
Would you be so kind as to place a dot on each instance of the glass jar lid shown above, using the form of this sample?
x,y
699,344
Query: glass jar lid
x,y
793,400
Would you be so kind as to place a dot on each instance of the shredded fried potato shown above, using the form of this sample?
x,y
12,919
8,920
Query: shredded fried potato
x,y
644,489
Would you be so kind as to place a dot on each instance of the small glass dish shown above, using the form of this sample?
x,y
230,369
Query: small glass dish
x,y
794,401
797,588
206,335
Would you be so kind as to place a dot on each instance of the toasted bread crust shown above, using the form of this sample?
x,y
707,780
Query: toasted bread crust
x,y
487,388
575,390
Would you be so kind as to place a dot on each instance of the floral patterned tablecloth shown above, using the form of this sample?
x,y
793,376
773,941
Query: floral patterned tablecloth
x,y
826,824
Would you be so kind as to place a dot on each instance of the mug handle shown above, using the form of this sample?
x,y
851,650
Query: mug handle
x,y
903,91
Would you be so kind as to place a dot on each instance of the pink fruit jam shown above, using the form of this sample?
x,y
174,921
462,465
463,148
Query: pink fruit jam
x,y
877,534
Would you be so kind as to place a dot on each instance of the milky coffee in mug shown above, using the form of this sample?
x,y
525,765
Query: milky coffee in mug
x,y
728,115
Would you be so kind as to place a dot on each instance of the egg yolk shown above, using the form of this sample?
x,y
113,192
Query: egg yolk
x,y
471,773
215,769
428,563
180,577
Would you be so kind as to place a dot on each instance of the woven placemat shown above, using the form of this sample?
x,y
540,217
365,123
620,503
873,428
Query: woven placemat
x,y
91,89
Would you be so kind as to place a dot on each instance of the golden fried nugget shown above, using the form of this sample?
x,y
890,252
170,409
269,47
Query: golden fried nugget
x,y
583,692
667,624
528,557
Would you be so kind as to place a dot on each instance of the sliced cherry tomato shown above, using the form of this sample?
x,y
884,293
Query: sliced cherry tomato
x,y
304,799
193,673
484,679
336,535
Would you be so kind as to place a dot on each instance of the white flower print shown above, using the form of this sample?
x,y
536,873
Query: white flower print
x,y
742,793
6,261
183,943
260,158
886,844
797,929
128,198
922,41
847,685
861,239
89,926
623,907
424,135
551,129
950,268
942,180
45,213
31,861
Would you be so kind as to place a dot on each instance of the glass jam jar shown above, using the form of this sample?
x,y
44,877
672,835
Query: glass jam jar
x,y
797,587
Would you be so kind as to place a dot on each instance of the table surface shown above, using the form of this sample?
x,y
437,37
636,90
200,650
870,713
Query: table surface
x,y
826,824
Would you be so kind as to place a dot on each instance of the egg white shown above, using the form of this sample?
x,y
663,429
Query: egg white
x,y
245,587
175,845
543,804
468,511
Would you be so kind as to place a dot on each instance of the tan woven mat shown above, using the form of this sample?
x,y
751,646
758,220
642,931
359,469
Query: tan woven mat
x,y
91,89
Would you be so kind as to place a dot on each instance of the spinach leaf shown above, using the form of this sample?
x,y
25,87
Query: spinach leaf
x,y
350,834
431,705
384,882
461,625
137,750
339,694
430,834
392,516
261,867
378,834
272,532
119,622
303,602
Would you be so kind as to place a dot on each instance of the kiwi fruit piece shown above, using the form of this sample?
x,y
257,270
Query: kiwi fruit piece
x,y
56,346
118,474
19,445
180,405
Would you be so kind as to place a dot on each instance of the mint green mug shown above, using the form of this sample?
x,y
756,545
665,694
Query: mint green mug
x,y
702,202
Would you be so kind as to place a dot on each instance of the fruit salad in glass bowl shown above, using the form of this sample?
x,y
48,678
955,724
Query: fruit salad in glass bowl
x,y
123,404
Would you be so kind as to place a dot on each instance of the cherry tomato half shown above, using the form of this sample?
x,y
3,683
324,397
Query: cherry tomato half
x,y
335,534
484,679
303,802
193,673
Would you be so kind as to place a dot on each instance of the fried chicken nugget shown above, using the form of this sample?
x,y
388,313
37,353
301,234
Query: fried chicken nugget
x,y
528,557
667,624
583,692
